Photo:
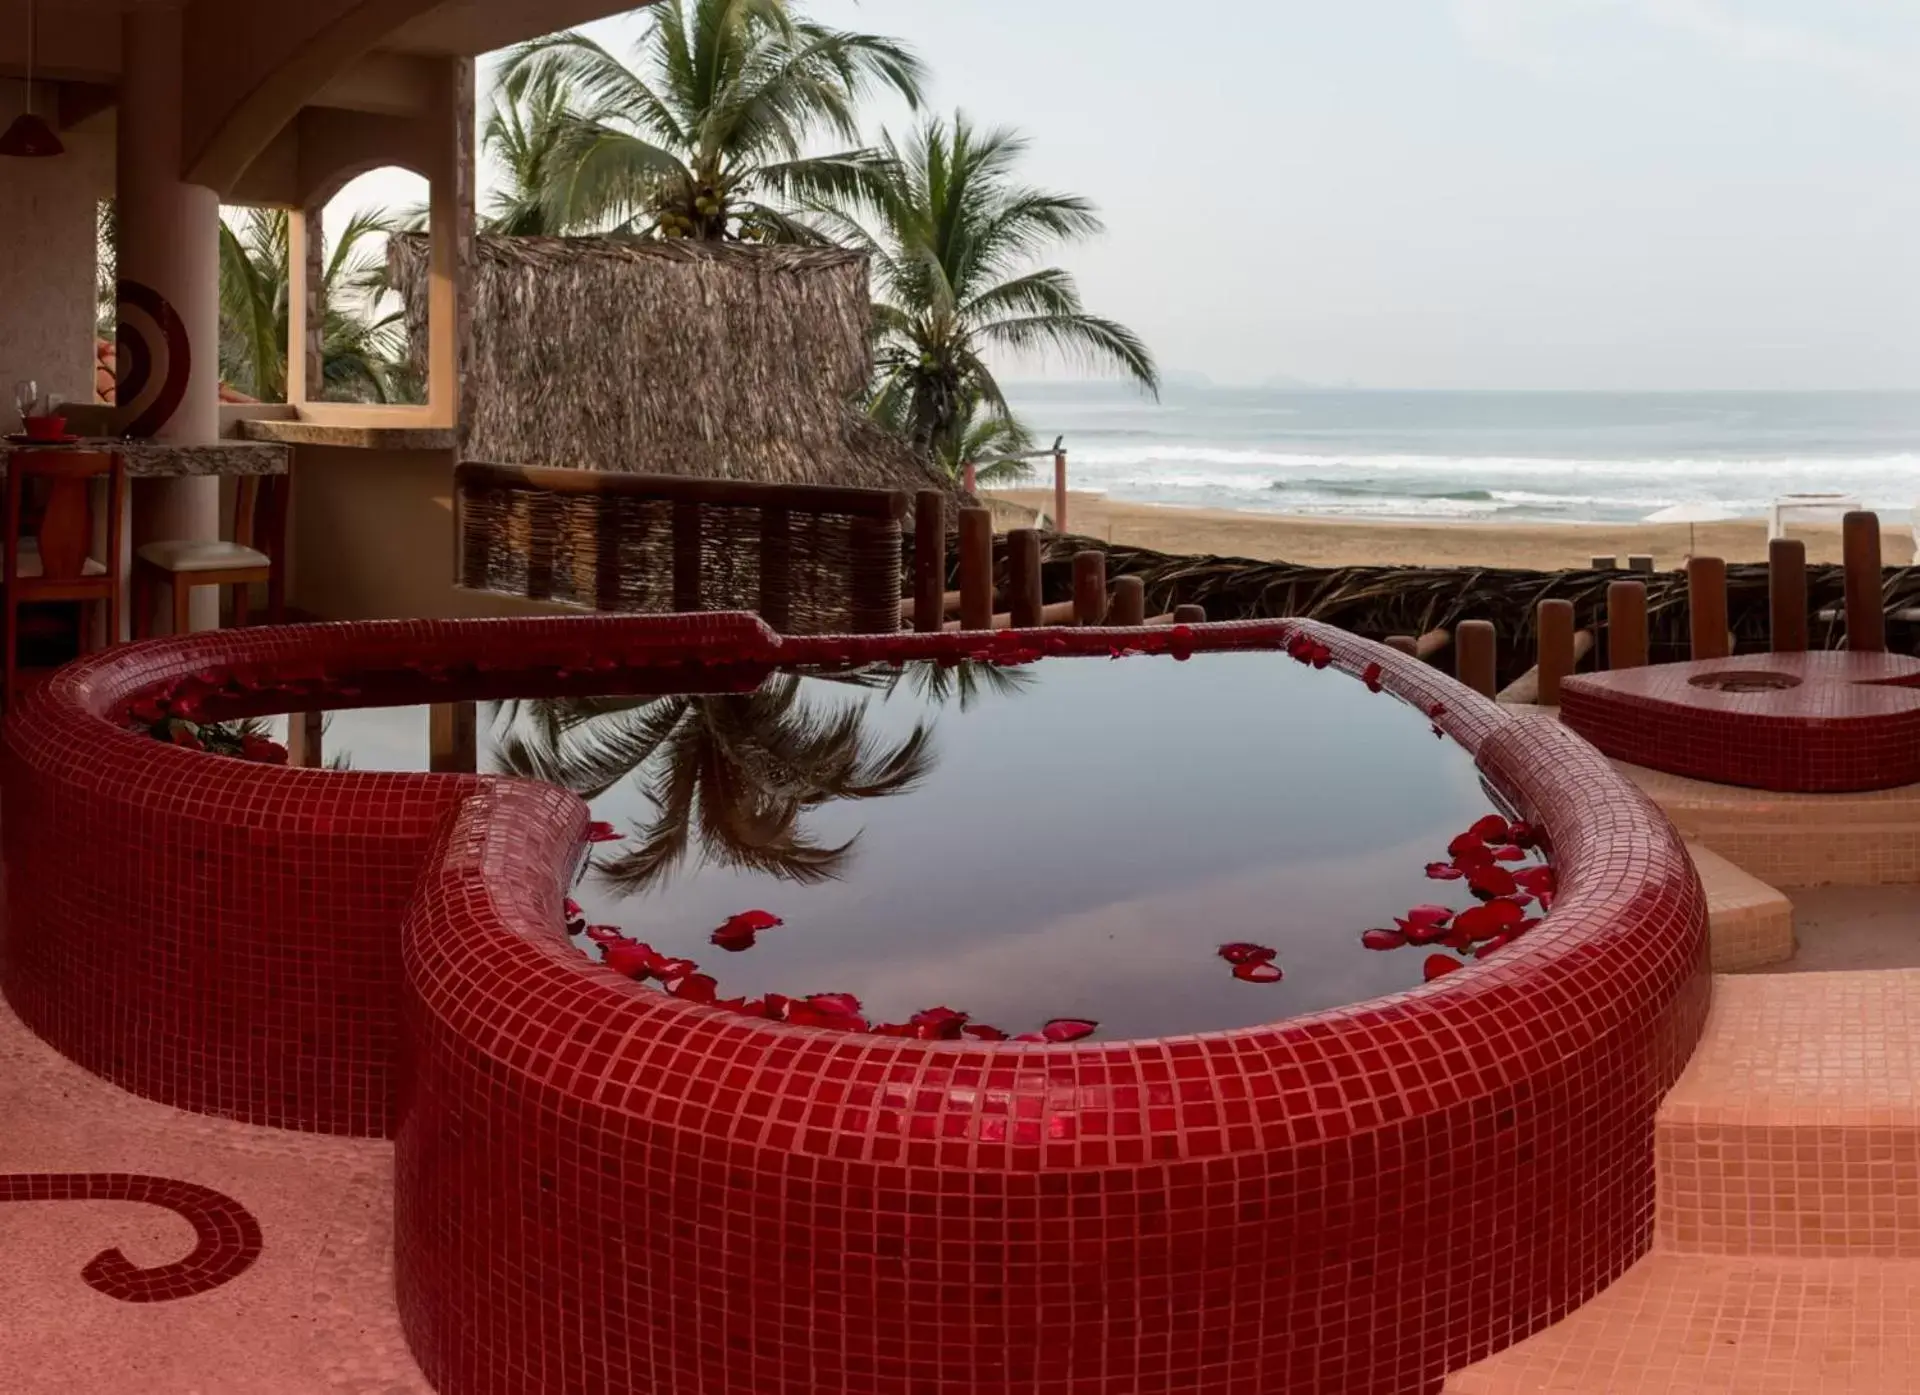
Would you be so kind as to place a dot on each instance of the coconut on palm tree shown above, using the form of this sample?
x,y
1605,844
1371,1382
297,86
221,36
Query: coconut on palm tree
x,y
703,135
363,351
955,238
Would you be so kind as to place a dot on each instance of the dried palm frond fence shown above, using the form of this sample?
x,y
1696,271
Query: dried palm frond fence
x,y
1487,622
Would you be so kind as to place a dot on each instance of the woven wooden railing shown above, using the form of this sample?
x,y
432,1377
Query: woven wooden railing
x,y
807,559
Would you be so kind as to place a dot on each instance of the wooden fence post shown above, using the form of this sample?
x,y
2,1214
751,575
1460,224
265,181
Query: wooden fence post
x,y
1089,587
306,739
1554,621
976,569
1787,596
453,741
1476,656
1059,491
1023,578
1707,607
929,561
1129,609
1866,608
1627,624
1189,615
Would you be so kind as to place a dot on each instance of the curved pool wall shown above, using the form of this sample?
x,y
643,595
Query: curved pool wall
x,y
600,1188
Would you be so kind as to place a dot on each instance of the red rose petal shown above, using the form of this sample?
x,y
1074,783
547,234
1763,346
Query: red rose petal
x,y
1483,922
1247,954
1469,846
695,988
980,1031
1491,829
1538,880
571,909
1439,966
1444,872
1371,676
600,832
1508,852
939,1024
733,941
1437,710
1525,834
1064,1029
1429,915
1382,939
1492,881
1422,934
629,958
1262,972
606,935
752,921
840,1004
1493,946
667,970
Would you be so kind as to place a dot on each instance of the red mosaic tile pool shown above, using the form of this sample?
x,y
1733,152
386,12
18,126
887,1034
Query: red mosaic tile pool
x,y
1812,723
600,1187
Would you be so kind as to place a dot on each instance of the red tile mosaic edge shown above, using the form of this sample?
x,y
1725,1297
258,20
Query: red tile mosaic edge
x,y
227,1237
600,1188
1837,722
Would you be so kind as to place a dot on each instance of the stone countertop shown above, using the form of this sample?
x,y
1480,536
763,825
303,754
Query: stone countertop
x,y
314,433
147,459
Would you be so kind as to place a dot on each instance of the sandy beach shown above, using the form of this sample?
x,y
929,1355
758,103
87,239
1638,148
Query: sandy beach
x,y
1343,542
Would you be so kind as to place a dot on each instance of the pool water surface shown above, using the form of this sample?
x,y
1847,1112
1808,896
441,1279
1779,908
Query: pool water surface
x,y
1075,841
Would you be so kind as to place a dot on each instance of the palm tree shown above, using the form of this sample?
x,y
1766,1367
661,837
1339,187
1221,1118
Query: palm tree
x,y
363,351
740,770
522,133
954,237
705,135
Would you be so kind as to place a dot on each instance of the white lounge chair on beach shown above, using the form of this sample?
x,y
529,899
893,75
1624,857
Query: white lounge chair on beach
x,y
1790,509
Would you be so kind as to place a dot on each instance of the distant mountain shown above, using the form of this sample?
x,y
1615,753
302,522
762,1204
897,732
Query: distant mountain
x,y
1282,382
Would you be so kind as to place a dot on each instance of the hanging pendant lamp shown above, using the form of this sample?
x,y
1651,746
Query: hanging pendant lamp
x,y
30,137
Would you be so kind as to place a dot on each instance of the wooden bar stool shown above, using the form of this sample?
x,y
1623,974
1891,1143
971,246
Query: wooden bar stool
x,y
259,514
49,558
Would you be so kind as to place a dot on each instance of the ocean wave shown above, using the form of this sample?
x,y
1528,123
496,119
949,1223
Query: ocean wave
x,y
1112,458
1382,489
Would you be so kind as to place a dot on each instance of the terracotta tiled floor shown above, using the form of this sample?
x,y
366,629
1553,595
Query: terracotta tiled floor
x,y
1698,1325
1751,924
313,1316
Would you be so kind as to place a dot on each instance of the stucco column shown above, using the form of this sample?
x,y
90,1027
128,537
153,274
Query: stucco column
x,y
169,299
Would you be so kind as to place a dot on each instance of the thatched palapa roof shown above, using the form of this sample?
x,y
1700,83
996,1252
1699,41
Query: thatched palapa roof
x,y
673,358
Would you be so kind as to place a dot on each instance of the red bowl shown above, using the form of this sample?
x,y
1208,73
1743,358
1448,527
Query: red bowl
x,y
46,428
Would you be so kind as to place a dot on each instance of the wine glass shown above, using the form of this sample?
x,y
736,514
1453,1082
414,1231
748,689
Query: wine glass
x,y
26,397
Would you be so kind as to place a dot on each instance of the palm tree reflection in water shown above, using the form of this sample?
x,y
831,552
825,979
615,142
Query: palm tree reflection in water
x,y
738,771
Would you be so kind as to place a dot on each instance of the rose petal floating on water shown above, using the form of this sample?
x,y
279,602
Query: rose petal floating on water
x,y
733,941
1444,872
1439,966
1490,881
631,958
1437,710
1485,921
1382,939
666,970
571,909
1422,934
1261,972
844,1004
1430,915
939,1024
980,1031
1492,946
1247,954
1469,845
1322,656
778,1005
1509,852
1063,1029
753,921
1525,834
1538,880
1030,1036
606,935
600,831
1491,829
1371,675
695,988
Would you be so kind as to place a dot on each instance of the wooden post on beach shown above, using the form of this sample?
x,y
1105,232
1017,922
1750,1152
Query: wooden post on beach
x,y
1554,620
1641,562
1606,564
1189,615
1866,608
1627,624
1059,491
1707,607
1129,608
1089,587
1404,644
976,569
929,561
453,738
305,733
1787,595
1476,654
969,478
1023,578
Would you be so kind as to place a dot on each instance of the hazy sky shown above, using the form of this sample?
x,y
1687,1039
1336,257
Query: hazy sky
x,y
1470,193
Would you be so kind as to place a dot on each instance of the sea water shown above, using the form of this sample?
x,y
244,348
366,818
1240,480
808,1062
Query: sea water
x,y
1480,456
